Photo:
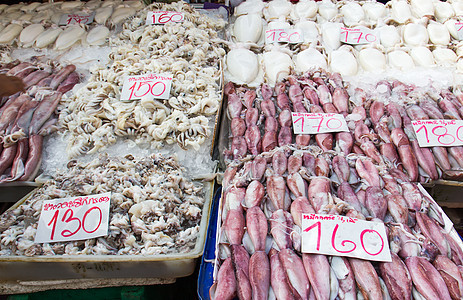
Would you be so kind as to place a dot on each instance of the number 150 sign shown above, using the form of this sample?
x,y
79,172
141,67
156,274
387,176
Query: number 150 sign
x,y
149,86
344,236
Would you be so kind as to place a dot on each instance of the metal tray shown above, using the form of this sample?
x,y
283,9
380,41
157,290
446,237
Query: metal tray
x,y
14,268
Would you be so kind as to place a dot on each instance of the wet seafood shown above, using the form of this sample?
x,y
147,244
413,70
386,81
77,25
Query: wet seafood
x,y
273,213
190,51
154,210
27,117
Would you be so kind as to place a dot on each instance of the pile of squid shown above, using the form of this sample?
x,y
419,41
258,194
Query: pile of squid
x,y
379,119
261,119
259,251
189,51
382,128
408,34
155,208
36,24
26,117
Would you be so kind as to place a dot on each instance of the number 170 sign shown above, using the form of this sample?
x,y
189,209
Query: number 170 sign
x,y
313,123
344,236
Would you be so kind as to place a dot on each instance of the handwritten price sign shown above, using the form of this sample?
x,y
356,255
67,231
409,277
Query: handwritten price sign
x,y
459,27
73,219
344,236
76,19
357,36
163,17
149,85
291,36
445,133
313,123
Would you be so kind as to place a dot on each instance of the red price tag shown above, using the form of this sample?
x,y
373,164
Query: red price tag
x,y
68,19
150,85
313,123
291,36
357,36
163,17
344,236
444,133
72,219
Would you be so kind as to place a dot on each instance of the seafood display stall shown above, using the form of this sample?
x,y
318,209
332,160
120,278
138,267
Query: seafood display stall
x,y
339,111
312,110
76,127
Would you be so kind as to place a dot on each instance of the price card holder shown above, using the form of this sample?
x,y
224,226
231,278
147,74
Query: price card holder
x,y
73,219
313,123
69,19
459,28
357,36
150,85
291,36
344,236
443,133
163,17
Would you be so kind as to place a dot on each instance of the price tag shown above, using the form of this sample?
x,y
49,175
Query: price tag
x,y
459,28
149,85
68,19
73,219
357,36
313,123
444,133
291,36
344,236
163,17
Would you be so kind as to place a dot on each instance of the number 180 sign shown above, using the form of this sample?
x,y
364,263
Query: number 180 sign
x,y
444,133
344,236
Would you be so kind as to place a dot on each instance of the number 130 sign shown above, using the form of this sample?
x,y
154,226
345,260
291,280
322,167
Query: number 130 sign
x,y
73,219
344,236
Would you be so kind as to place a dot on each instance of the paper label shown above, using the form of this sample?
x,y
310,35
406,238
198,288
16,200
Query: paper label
x,y
444,133
73,219
149,85
68,19
313,123
459,28
344,236
163,17
291,36
357,36
448,224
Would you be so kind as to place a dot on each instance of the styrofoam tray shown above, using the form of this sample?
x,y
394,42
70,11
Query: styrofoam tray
x,y
107,266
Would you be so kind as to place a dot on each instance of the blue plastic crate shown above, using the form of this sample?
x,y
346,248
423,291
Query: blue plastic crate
x,y
206,269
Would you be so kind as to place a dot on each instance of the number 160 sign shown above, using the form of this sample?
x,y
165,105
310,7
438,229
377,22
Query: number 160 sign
x,y
163,17
344,236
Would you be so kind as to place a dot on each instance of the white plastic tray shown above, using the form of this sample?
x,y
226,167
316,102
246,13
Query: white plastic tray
x,y
61,267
